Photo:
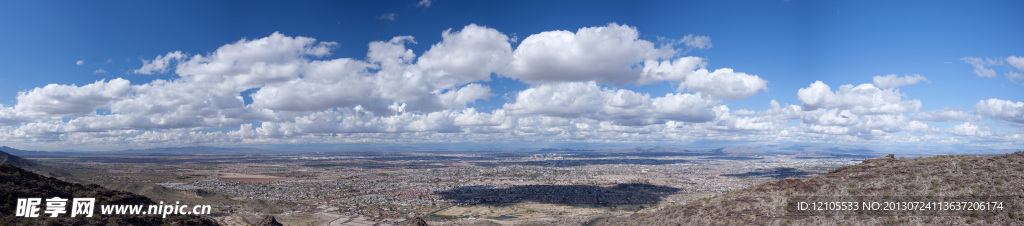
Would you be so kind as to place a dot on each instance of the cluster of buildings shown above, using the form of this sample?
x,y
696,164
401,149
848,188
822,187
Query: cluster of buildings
x,y
383,187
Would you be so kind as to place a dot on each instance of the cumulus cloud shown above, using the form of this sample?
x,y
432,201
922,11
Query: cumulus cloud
x,y
918,126
10,116
250,63
892,81
1003,110
80,62
64,100
861,99
589,100
865,112
159,65
670,70
469,55
281,88
285,78
615,55
459,98
327,84
723,83
846,122
944,115
609,54
968,129
689,73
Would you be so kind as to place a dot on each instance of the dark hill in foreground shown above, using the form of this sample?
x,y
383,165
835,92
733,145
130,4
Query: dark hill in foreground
x,y
965,177
19,183
8,158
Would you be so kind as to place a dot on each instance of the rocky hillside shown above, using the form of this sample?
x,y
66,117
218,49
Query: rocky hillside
x,y
962,177
7,158
20,183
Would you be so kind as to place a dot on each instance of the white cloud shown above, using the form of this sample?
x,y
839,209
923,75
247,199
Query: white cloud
x,y
388,16
968,129
677,70
468,94
10,116
864,113
610,54
59,100
577,93
1015,77
161,64
892,81
401,81
326,84
746,121
690,74
830,117
615,55
287,80
861,99
99,71
944,115
251,63
981,66
588,100
391,53
80,62
1003,110
846,122
696,41
918,126
468,55
424,3
1015,61
1014,65
723,83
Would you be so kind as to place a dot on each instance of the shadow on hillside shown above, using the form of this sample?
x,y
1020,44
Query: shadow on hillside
x,y
620,194
774,173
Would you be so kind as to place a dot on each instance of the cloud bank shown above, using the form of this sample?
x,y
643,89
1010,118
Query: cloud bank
x,y
580,88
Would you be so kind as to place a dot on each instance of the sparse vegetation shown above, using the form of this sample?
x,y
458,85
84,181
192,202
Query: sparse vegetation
x,y
25,184
944,176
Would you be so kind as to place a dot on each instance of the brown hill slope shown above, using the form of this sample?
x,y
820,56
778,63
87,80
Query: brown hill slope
x,y
19,183
949,177
7,158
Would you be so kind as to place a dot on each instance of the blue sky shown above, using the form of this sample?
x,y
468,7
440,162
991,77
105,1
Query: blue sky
x,y
959,63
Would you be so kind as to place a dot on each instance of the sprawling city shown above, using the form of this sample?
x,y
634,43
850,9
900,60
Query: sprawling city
x,y
543,185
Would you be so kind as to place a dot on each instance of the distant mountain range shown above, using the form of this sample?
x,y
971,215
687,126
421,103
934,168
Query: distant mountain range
x,y
34,154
